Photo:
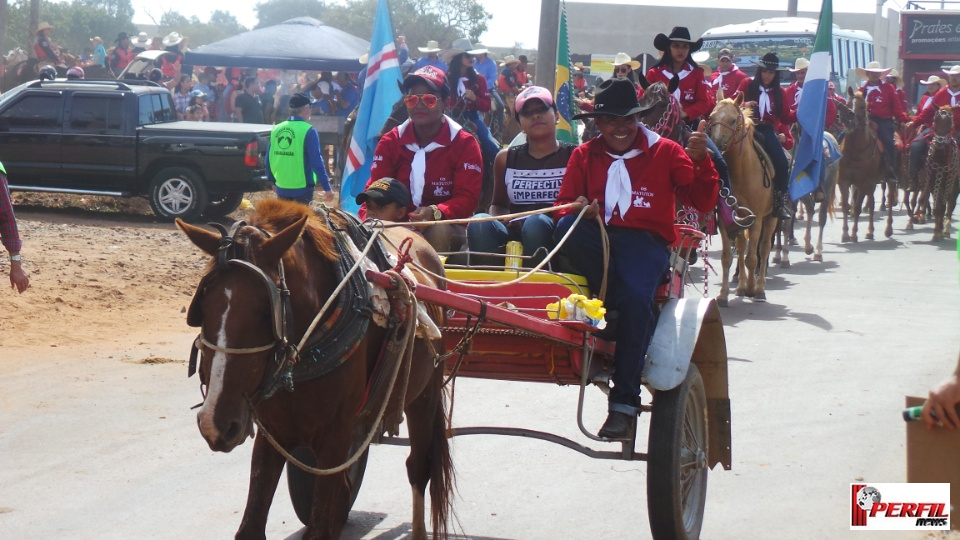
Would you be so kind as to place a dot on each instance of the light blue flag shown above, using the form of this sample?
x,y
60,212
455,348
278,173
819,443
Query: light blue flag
x,y
812,110
380,91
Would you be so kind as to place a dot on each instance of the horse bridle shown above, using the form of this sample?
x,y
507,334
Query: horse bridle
x,y
284,352
669,118
739,132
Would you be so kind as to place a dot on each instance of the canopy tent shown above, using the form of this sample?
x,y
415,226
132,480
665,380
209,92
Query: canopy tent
x,y
303,43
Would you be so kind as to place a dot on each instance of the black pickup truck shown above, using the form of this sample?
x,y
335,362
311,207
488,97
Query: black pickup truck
x,y
122,138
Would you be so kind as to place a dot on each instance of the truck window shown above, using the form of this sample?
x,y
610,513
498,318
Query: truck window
x,y
156,109
33,112
96,113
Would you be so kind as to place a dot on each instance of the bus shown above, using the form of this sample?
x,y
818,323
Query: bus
x,y
790,38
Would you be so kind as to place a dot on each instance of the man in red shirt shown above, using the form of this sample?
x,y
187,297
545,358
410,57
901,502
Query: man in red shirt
x,y
635,177
792,93
933,83
728,76
434,158
883,107
948,96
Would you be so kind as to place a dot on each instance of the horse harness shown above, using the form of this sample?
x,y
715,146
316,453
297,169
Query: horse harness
x,y
942,173
330,344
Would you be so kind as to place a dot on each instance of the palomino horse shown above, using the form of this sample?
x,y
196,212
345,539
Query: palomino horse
x,y
943,172
861,167
265,285
751,181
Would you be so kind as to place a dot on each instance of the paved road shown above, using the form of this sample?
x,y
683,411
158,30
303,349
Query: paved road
x,y
95,447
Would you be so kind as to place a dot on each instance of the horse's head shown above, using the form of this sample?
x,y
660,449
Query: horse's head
x,y
241,309
728,123
664,113
846,114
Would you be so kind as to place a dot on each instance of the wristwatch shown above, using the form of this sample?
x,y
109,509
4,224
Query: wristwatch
x,y
15,258
437,214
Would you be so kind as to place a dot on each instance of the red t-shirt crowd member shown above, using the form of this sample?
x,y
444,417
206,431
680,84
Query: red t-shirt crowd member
x,y
728,81
692,93
770,116
459,103
453,170
660,175
945,97
883,101
791,95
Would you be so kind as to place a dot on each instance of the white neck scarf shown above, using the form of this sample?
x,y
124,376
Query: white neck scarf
x,y
953,97
418,168
796,97
683,75
872,89
764,102
461,86
619,191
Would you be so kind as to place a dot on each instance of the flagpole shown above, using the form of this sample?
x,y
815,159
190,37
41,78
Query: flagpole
x,y
545,74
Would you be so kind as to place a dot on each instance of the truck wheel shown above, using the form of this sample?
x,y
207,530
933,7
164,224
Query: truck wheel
x,y
222,204
677,460
177,192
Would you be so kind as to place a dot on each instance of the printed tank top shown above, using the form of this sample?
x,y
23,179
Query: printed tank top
x,y
534,183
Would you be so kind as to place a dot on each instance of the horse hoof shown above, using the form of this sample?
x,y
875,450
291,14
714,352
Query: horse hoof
x,y
760,296
776,259
741,293
793,242
888,232
818,257
722,301
868,236
854,239
808,249
845,238
785,263
909,225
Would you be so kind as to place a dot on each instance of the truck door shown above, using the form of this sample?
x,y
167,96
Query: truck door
x,y
30,139
97,155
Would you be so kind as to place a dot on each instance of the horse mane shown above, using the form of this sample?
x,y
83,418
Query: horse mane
x,y
274,215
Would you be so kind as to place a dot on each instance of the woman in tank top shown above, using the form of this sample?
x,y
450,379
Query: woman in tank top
x,y
526,177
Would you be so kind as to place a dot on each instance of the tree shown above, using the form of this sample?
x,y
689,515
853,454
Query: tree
x,y
221,25
272,12
3,27
76,21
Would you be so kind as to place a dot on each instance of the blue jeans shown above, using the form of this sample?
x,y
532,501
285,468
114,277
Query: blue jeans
x,y
488,144
536,232
781,167
885,134
638,264
719,163
497,120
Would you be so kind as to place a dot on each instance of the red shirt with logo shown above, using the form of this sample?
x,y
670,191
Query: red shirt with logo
x,y
941,99
660,176
791,95
479,87
883,101
454,172
728,81
774,118
695,96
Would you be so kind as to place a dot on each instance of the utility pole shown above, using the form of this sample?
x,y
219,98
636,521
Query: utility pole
x,y
3,27
791,8
34,23
546,72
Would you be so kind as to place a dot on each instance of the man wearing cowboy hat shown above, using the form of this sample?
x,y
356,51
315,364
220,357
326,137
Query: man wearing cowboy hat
x,y
139,43
933,83
121,55
728,76
507,80
896,80
948,96
486,66
172,43
43,47
99,57
431,57
632,178
792,93
883,107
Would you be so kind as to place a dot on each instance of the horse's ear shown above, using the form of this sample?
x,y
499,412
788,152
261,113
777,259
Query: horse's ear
x,y
850,91
738,101
274,247
207,241
673,84
642,81
720,94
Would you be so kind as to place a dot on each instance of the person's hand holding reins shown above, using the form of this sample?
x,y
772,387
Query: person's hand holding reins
x,y
697,144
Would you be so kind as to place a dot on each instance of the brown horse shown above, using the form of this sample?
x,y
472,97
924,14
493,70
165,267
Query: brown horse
x,y
266,283
861,167
751,183
942,172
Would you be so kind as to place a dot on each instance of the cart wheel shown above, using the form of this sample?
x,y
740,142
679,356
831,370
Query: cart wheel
x,y
677,460
300,482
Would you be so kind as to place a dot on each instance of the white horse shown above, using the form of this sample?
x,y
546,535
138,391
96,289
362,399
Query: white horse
x,y
15,56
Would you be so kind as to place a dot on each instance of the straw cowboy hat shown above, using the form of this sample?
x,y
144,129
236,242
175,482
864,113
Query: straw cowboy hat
x,y
623,58
459,46
955,70
800,64
679,33
894,74
770,61
934,79
96,39
173,38
432,47
509,60
142,40
615,97
873,67
364,58
45,26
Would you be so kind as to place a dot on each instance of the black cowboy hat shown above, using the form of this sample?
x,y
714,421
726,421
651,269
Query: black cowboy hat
x,y
615,97
121,36
770,61
679,33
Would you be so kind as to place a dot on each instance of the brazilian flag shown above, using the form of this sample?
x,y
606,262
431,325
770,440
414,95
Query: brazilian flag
x,y
566,128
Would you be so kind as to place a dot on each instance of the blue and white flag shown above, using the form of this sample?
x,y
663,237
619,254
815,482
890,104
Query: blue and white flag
x,y
381,91
812,110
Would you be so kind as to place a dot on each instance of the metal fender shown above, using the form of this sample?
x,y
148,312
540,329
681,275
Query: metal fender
x,y
690,329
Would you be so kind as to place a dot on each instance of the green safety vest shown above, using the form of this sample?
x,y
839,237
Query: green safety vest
x,y
286,154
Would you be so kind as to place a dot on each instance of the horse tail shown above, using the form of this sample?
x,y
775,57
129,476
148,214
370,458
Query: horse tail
x,y
442,474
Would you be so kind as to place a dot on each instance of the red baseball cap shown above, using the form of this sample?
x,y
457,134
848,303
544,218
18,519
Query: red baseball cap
x,y
435,78
534,92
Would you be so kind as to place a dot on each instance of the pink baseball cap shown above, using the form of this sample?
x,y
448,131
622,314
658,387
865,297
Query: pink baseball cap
x,y
534,92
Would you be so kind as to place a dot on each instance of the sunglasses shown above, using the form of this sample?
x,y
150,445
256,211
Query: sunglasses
x,y
623,69
429,100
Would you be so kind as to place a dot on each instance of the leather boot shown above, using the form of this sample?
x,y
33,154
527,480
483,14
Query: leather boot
x,y
783,202
617,426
